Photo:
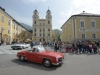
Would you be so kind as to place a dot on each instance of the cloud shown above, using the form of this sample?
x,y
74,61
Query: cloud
x,y
19,18
76,7
33,1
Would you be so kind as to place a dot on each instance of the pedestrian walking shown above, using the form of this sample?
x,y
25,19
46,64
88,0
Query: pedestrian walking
x,y
31,44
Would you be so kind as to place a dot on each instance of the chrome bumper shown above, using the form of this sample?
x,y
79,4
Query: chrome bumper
x,y
58,63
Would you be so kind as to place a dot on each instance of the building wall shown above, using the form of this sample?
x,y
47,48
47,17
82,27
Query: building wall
x,y
5,35
9,32
68,31
88,29
73,27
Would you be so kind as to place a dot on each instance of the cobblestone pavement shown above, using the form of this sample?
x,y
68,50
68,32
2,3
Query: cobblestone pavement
x,y
74,64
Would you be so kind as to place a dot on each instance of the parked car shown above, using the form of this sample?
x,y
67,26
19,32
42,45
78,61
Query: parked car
x,y
19,46
40,55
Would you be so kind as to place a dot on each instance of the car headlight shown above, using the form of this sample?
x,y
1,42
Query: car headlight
x,y
57,59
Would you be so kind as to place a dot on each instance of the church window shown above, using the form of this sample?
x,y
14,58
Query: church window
x,y
48,22
48,34
34,34
48,29
35,30
35,22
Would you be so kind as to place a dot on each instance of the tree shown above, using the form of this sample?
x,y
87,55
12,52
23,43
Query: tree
x,y
58,37
23,36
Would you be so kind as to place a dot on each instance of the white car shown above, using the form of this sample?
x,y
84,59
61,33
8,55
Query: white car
x,y
19,46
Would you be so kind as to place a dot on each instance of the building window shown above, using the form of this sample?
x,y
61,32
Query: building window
x,y
48,29
93,35
40,23
8,31
48,34
83,36
2,18
93,24
82,24
34,34
48,22
14,26
40,30
34,22
8,22
40,34
35,30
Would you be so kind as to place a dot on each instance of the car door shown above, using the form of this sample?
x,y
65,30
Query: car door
x,y
32,56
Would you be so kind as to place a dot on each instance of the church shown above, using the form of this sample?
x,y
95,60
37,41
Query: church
x,y
42,28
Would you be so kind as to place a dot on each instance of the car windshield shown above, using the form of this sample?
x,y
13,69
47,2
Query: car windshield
x,y
40,49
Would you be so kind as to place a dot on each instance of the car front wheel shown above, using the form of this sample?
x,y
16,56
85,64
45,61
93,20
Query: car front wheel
x,y
47,62
22,58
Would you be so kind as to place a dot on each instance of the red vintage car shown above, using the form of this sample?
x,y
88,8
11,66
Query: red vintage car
x,y
40,55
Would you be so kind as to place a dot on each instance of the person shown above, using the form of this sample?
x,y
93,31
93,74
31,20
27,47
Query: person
x,y
31,44
55,47
34,49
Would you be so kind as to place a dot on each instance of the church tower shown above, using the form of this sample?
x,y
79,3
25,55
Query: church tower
x,y
49,17
42,28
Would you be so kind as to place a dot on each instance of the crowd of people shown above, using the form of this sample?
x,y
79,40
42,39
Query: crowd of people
x,y
78,47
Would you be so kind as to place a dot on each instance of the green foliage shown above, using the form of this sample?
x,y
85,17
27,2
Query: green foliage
x,y
24,35
58,37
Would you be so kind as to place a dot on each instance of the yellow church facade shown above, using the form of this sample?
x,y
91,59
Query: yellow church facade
x,y
42,28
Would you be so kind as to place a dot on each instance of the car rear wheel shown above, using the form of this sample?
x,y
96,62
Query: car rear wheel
x,y
47,62
22,58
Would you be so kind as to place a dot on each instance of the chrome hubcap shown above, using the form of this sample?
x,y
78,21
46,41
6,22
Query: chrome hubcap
x,y
47,62
22,58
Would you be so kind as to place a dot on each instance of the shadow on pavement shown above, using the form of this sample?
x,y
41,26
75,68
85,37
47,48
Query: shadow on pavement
x,y
35,65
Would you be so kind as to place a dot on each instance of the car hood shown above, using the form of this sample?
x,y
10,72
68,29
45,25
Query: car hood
x,y
51,53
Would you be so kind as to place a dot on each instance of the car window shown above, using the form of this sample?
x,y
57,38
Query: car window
x,y
40,49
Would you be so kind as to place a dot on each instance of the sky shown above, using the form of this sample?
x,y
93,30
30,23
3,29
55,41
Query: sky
x,y
61,10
